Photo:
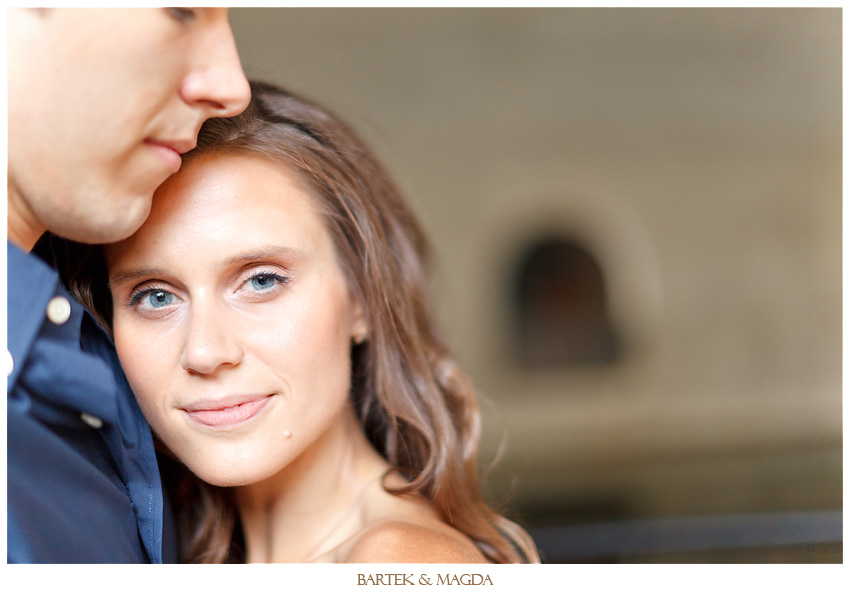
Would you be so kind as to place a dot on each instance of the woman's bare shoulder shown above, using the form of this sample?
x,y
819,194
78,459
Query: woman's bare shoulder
x,y
396,541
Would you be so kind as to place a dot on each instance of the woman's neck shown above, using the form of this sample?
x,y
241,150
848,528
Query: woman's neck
x,y
316,502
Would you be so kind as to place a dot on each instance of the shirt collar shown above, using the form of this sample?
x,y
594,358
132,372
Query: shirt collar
x,y
30,284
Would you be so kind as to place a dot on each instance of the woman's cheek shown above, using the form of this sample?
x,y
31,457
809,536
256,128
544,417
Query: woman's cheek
x,y
141,358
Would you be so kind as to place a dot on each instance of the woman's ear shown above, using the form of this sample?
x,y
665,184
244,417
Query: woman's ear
x,y
359,328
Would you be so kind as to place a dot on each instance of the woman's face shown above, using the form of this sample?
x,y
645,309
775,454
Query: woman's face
x,y
232,318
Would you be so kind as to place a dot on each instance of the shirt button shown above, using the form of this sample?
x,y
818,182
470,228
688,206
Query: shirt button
x,y
92,421
58,310
10,362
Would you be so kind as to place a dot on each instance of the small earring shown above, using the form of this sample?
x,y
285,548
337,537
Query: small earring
x,y
360,334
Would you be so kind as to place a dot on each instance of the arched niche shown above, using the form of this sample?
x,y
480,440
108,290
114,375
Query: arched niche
x,y
605,228
560,306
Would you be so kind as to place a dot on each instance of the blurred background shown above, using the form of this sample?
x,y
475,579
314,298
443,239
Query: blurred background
x,y
637,217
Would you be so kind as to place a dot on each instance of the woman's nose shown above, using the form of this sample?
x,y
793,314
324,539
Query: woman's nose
x,y
210,345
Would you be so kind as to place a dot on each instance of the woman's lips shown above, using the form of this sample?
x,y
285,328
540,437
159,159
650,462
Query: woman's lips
x,y
224,416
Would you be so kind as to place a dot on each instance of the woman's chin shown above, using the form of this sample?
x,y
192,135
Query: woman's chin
x,y
227,481
235,476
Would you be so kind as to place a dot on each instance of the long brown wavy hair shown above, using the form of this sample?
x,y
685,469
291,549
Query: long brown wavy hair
x,y
416,406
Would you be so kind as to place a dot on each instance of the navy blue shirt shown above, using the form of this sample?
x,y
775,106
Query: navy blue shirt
x,y
83,482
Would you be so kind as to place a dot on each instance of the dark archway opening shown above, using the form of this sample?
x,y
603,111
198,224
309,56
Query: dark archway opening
x,y
560,306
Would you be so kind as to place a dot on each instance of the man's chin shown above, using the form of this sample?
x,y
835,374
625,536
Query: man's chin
x,y
122,223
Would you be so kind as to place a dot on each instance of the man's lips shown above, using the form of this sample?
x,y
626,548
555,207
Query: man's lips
x,y
227,412
171,151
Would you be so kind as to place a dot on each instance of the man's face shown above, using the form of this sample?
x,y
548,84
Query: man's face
x,y
101,104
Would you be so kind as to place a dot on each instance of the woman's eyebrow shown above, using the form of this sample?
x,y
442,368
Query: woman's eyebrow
x,y
285,253
122,276
266,252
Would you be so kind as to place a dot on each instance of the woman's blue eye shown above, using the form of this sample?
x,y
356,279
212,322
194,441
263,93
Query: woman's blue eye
x,y
264,282
160,298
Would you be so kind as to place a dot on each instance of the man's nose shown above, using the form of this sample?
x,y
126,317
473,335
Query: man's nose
x,y
217,81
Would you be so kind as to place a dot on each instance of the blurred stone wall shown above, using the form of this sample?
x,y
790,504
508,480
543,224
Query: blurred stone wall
x,y
696,152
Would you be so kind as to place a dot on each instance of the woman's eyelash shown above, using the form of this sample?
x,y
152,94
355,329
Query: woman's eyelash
x,y
271,275
139,293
